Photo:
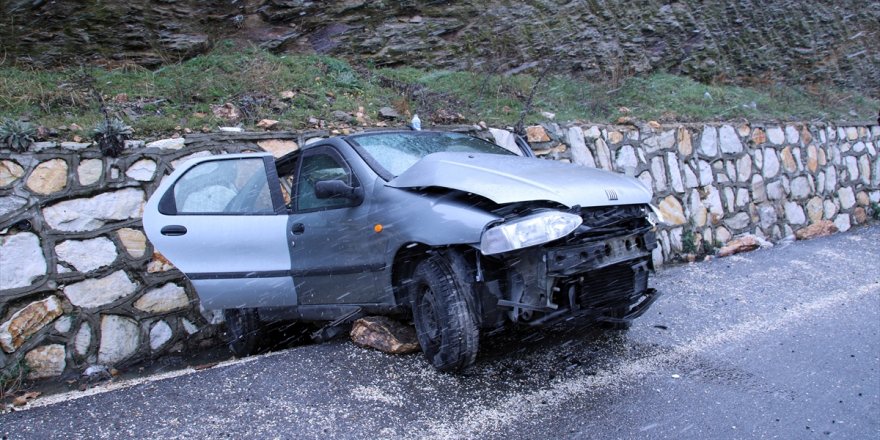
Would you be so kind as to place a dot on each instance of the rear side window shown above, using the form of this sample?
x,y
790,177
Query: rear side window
x,y
233,186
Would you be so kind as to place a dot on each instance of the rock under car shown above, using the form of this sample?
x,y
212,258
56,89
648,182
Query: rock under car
x,y
460,234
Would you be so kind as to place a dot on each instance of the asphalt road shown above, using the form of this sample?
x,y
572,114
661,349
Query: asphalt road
x,y
777,343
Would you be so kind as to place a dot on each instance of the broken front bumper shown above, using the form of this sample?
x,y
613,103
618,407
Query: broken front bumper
x,y
605,279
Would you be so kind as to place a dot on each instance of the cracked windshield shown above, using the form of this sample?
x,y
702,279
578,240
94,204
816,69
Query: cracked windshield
x,y
439,219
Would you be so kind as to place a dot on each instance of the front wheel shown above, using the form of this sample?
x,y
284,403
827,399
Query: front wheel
x,y
445,324
243,330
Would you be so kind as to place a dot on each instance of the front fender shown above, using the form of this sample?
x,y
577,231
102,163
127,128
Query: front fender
x,y
431,219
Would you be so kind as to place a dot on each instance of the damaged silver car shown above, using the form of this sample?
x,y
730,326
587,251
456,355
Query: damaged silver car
x,y
460,234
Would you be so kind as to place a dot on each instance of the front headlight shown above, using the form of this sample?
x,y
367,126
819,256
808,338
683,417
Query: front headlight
x,y
528,231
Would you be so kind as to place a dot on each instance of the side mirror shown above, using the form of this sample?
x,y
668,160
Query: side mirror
x,y
328,189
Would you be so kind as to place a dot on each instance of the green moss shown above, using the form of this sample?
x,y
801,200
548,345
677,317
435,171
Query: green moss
x,y
688,241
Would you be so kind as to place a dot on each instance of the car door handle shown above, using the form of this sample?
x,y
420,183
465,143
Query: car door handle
x,y
298,228
173,230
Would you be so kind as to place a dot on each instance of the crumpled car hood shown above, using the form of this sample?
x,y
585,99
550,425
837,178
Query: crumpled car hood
x,y
508,179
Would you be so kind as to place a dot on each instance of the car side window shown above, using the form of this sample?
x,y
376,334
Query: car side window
x,y
233,186
321,166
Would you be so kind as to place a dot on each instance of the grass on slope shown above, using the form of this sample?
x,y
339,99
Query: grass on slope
x,y
181,95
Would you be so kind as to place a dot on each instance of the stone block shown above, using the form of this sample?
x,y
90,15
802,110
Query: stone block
x,y
615,137
26,322
280,147
788,162
88,214
603,155
745,243
160,334
659,173
674,172
767,215
21,260
729,140
83,339
829,208
188,326
815,209
816,230
847,197
759,191
48,177
133,240
96,292
690,178
852,167
120,338
46,361
159,264
776,135
168,144
775,190
537,133
737,222
712,202
806,136
87,255
743,168
580,154
142,170
742,197
706,177
76,146
384,334
10,171
865,170
791,135
62,325
626,160
800,187
758,137
672,211
794,213
685,147
698,212
164,299
89,171
771,163
709,141
859,215
812,158
842,222
722,235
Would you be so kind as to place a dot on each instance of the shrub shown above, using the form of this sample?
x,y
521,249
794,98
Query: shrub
x,y
16,135
111,136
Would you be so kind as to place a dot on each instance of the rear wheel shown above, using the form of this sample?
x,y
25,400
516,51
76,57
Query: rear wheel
x,y
444,321
243,331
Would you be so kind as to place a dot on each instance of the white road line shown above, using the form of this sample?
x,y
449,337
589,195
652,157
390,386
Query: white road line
x,y
113,385
486,418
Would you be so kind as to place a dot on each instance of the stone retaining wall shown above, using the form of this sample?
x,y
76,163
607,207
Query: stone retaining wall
x,y
80,285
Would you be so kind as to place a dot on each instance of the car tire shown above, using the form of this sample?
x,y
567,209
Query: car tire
x,y
445,324
243,331
618,312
